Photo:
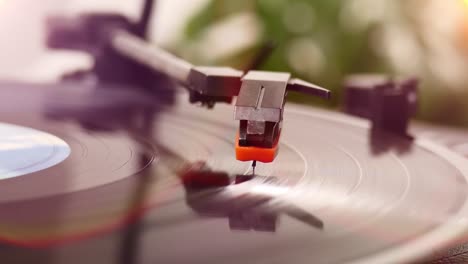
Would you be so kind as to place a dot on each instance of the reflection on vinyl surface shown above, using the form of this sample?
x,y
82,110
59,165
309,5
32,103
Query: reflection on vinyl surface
x,y
326,199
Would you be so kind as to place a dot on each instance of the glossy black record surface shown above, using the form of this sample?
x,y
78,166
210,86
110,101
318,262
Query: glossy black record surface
x,y
336,193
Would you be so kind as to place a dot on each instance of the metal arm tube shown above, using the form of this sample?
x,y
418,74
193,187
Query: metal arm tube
x,y
152,56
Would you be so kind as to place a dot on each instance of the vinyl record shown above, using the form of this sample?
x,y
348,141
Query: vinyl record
x,y
337,193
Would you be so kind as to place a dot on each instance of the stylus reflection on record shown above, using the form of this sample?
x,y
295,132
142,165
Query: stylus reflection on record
x,y
327,189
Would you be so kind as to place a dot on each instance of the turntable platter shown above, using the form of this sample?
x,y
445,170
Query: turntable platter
x,y
339,194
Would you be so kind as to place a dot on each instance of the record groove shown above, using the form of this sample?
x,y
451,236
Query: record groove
x,y
377,196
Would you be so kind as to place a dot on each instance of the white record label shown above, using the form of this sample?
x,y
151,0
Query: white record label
x,y
25,150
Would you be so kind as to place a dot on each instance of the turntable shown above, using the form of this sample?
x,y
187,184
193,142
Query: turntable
x,y
126,168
